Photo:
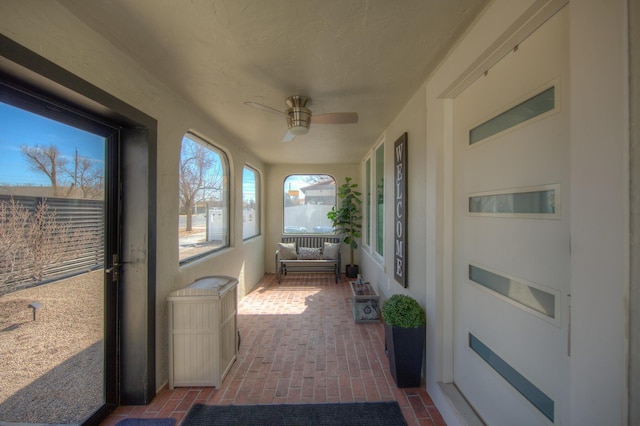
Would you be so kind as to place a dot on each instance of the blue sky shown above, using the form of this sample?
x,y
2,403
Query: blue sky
x,y
248,184
297,181
19,127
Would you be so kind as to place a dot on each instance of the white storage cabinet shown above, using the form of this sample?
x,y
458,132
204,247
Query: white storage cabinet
x,y
203,332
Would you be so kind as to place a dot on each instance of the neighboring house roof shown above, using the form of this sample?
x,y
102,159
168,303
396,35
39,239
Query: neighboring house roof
x,y
319,186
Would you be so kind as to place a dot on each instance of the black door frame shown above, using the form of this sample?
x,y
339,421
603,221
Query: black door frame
x,y
130,333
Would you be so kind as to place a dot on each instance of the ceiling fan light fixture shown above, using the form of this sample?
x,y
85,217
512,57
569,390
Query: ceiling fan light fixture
x,y
299,117
298,120
298,130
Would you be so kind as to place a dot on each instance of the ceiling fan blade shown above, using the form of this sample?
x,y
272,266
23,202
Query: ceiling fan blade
x,y
265,108
335,118
288,137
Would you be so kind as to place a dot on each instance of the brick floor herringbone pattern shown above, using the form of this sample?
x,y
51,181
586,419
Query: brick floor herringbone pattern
x,y
300,344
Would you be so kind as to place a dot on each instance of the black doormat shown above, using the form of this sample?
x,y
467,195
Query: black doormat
x,y
147,422
347,414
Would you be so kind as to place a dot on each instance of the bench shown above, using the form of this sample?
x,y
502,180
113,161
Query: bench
x,y
286,264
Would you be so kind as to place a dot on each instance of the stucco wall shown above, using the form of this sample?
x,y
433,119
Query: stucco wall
x,y
599,230
50,31
599,170
599,156
412,119
274,184
634,299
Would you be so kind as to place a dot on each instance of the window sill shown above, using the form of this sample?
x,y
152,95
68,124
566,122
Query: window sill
x,y
202,256
374,256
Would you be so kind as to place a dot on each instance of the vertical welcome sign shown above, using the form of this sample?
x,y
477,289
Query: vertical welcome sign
x,y
400,210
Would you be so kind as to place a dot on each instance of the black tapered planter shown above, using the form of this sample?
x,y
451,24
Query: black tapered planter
x,y
404,348
351,271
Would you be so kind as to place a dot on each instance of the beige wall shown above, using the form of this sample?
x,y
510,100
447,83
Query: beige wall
x,y
599,171
599,141
412,119
274,187
599,158
49,30
634,299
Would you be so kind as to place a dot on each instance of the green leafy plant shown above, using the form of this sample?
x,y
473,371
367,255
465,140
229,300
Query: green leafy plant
x,y
346,218
403,311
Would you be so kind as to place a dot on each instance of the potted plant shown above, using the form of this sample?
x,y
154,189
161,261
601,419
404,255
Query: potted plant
x,y
346,220
405,335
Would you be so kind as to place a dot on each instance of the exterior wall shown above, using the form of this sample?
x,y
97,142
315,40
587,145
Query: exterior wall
x,y
411,120
51,31
599,168
599,156
634,297
274,187
600,230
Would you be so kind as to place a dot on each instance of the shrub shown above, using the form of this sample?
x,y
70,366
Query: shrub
x,y
403,311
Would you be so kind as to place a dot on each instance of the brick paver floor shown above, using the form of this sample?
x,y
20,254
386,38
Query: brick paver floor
x,y
299,344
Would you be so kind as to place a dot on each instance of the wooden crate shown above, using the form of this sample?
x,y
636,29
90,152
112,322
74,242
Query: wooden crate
x,y
366,303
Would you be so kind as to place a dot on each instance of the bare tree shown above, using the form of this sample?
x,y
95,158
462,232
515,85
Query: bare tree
x,y
30,242
311,179
47,160
199,174
14,224
35,242
48,240
86,176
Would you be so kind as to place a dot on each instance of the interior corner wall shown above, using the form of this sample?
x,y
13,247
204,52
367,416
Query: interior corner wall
x,y
599,211
634,193
425,119
274,187
480,41
412,120
51,31
599,150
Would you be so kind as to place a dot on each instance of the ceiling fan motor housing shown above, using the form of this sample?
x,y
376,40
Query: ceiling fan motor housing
x,y
298,116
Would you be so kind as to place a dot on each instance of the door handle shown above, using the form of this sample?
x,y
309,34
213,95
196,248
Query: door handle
x,y
114,269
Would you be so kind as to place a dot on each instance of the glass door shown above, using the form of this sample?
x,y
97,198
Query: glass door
x,y
58,234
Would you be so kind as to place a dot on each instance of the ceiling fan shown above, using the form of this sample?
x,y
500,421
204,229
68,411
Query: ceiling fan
x,y
299,117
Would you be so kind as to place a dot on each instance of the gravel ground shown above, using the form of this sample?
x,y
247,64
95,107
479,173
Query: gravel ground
x,y
51,369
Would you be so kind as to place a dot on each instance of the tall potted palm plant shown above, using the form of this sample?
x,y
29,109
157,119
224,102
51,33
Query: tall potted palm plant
x,y
347,221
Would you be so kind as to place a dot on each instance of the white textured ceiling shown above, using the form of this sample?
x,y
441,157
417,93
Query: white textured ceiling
x,y
367,56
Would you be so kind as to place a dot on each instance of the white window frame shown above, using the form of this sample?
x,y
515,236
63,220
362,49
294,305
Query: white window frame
x,y
371,214
306,231
257,204
205,248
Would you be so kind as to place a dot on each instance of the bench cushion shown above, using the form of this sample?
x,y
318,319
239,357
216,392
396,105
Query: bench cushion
x,y
287,251
331,251
309,253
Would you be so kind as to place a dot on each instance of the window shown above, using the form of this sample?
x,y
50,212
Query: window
x,y
515,289
250,206
374,209
379,171
529,202
531,108
367,208
531,392
203,223
307,200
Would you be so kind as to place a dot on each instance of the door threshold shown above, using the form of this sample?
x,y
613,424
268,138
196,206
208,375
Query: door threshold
x,y
465,413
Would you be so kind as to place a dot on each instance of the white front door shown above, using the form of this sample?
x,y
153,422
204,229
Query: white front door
x,y
511,234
